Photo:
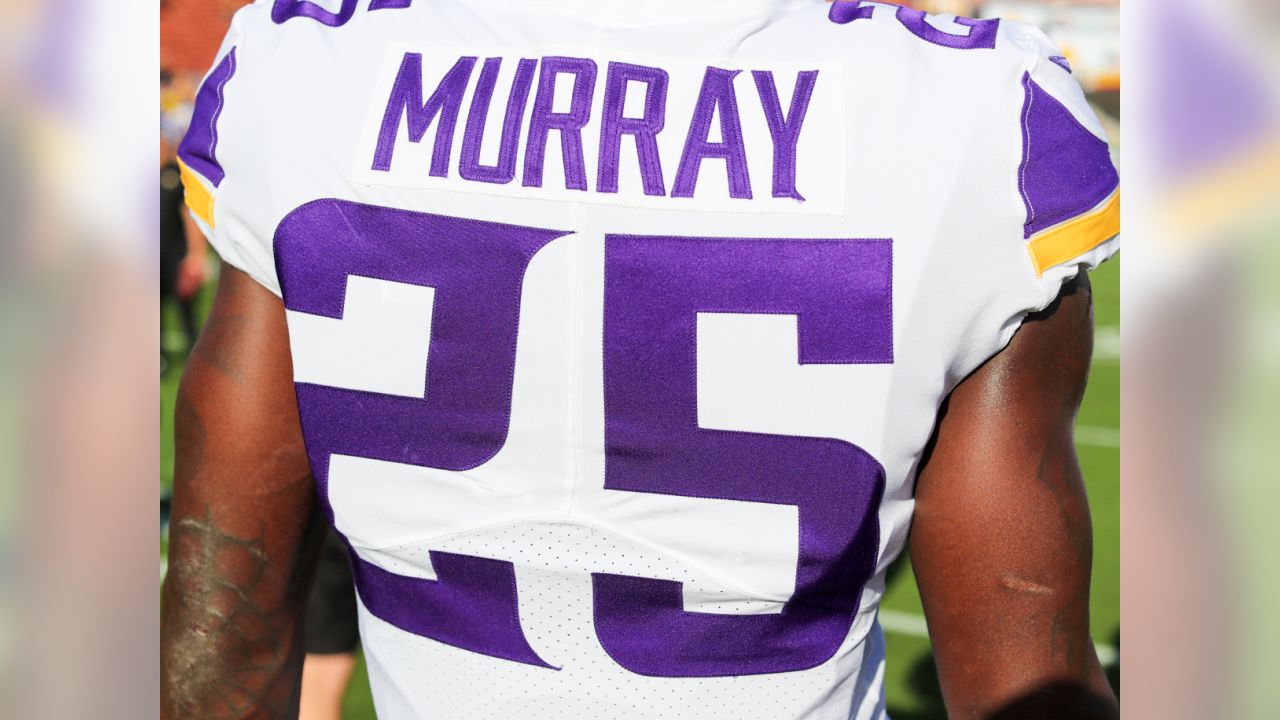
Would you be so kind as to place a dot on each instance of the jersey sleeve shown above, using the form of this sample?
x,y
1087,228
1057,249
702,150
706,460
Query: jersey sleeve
x,y
1066,180
1048,195
215,158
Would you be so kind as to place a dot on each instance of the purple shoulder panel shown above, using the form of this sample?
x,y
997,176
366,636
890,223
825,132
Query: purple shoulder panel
x,y
1066,169
199,147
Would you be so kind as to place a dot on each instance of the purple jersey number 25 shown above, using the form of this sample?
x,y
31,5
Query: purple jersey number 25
x,y
839,290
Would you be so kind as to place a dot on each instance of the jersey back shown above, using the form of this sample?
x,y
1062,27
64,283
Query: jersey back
x,y
619,329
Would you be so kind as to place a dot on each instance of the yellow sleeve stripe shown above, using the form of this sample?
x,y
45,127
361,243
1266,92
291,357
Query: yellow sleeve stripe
x,y
197,194
1075,237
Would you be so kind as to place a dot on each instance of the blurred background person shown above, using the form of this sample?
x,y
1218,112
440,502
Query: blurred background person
x,y
332,635
184,254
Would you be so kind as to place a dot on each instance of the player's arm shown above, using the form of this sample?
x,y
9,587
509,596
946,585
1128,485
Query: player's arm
x,y
1002,541
244,527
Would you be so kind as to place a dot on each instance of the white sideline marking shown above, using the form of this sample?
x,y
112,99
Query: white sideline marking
x,y
1106,344
902,623
1097,436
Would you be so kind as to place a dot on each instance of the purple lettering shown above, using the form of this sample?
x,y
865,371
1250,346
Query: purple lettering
x,y
570,124
504,171
406,100
981,35
644,129
785,131
843,12
288,9
716,97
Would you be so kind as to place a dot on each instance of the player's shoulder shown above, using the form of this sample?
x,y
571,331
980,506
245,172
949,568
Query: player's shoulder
x,y
902,36
989,69
279,23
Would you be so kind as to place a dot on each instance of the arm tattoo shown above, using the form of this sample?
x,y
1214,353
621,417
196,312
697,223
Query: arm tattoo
x,y
227,654
224,649
220,625
245,529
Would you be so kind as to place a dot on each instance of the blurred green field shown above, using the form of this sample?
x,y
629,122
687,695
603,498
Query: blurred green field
x,y
912,684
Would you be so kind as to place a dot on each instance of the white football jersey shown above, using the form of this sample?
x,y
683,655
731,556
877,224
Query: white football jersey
x,y
619,327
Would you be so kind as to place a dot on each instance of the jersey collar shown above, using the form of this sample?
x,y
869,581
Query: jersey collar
x,y
622,13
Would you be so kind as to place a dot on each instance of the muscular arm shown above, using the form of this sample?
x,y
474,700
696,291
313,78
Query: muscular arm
x,y
244,526
1002,542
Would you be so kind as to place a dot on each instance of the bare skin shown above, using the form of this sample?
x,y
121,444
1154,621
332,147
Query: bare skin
x,y
1002,542
324,683
244,529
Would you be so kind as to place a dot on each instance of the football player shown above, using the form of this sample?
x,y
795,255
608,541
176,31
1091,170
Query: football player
x,y
625,344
